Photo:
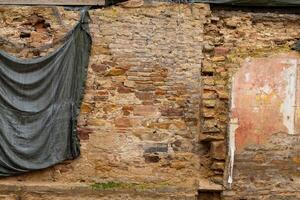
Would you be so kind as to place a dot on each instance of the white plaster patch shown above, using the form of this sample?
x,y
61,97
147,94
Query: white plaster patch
x,y
248,60
256,109
232,94
288,107
247,77
232,128
233,125
266,89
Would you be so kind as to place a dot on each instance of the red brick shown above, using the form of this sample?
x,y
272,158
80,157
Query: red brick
x,y
83,133
144,95
127,110
123,89
99,67
145,110
171,112
123,122
221,51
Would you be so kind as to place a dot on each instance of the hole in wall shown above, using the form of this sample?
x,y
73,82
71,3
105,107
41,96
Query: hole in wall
x,y
207,73
209,195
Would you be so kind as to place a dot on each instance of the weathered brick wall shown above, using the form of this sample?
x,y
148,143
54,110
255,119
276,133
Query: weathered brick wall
x,y
140,118
156,108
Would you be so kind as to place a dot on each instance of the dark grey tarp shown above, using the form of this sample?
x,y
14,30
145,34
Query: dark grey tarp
x,y
39,103
253,2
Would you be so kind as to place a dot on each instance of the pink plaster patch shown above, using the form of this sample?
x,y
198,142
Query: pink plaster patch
x,y
265,99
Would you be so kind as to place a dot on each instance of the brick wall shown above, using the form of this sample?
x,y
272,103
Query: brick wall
x,y
140,117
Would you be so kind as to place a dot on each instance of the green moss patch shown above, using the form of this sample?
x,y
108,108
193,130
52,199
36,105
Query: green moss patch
x,y
119,185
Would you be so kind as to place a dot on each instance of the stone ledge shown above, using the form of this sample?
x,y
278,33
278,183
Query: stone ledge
x,y
209,186
85,191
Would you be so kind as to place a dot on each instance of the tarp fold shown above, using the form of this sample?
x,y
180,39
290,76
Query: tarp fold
x,y
39,104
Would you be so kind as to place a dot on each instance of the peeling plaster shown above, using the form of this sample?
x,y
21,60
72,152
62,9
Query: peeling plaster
x,y
233,125
231,150
232,100
288,107
266,89
263,102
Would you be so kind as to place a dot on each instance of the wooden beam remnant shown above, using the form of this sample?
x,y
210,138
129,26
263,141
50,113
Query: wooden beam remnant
x,y
53,2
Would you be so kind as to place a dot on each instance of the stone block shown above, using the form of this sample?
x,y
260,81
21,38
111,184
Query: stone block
x,y
115,72
171,112
218,150
218,59
208,112
99,67
86,108
84,133
144,96
156,148
209,103
96,122
221,51
124,89
223,94
123,122
208,81
209,94
146,110
218,166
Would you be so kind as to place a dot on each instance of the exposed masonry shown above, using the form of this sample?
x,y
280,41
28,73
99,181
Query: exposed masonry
x,y
156,109
288,108
233,38
140,117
